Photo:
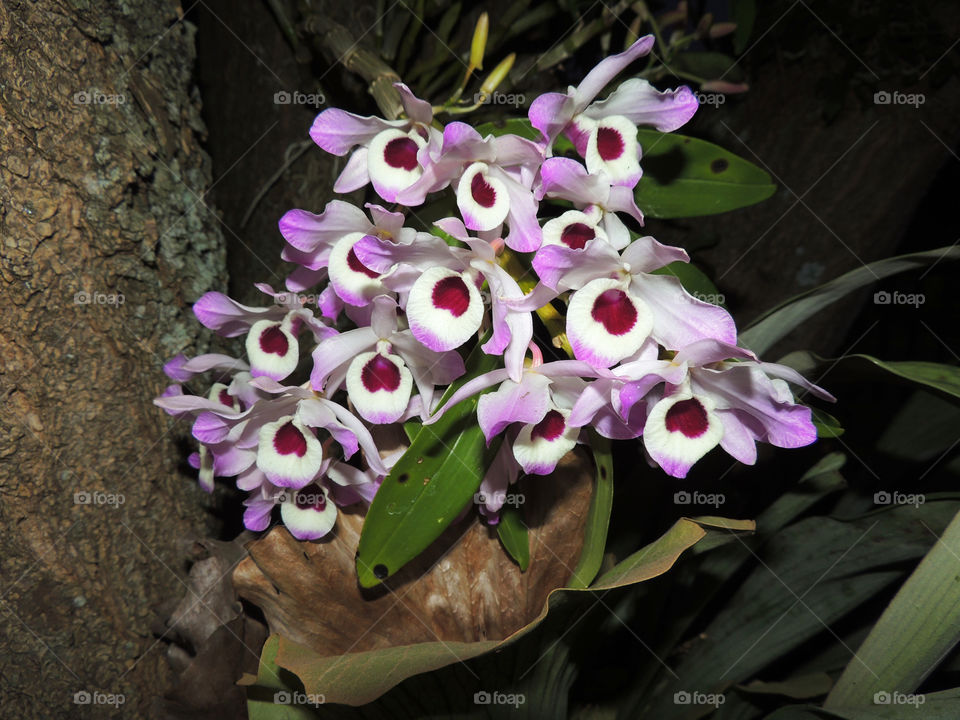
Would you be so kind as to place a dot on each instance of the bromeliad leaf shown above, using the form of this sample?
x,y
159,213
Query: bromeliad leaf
x,y
360,678
433,481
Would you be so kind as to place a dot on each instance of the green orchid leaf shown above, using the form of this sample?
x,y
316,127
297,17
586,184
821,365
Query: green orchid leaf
x,y
428,487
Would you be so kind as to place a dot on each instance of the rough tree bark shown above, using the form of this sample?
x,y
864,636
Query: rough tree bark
x,y
102,181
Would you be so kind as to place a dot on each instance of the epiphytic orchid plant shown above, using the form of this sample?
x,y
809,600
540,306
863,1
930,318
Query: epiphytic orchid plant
x,y
384,322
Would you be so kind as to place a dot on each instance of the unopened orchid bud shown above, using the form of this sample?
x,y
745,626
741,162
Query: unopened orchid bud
x,y
496,77
722,28
722,86
479,44
703,27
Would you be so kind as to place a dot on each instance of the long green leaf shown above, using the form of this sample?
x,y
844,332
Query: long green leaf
x,y
779,321
811,575
433,481
914,633
598,516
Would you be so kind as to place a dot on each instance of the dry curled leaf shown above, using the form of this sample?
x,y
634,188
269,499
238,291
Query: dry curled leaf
x,y
464,588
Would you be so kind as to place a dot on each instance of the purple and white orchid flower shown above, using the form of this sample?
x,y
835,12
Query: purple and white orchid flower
x,y
605,132
390,152
380,364
493,178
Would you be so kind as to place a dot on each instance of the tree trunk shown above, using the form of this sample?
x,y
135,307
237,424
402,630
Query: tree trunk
x,y
104,242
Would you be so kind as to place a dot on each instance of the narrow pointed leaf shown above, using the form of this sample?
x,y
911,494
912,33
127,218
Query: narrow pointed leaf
x,y
779,321
514,536
915,632
598,516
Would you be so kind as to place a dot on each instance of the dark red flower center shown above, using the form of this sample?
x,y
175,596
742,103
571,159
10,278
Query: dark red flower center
x,y
311,497
688,417
380,374
576,235
482,191
353,262
452,294
272,340
609,144
401,153
225,398
290,441
550,428
614,310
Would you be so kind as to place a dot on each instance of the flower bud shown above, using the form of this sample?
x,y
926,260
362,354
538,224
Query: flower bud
x,y
479,43
496,77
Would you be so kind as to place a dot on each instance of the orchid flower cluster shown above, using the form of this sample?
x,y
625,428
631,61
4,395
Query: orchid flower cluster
x,y
397,308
